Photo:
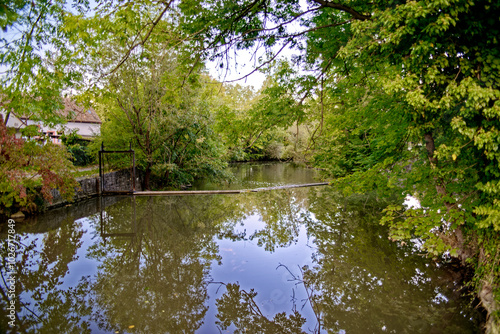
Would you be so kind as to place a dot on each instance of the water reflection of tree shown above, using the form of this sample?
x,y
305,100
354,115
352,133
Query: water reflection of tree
x,y
282,213
42,304
155,264
361,283
156,280
153,273
270,174
238,307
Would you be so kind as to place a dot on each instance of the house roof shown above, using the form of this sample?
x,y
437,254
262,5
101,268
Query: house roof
x,y
72,112
79,114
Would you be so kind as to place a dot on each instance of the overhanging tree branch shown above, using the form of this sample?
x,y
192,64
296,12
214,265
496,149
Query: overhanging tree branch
x,y
142,40
355,14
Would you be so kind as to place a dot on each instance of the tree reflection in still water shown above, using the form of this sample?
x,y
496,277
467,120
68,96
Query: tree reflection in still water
x,y
145,266
43,303
238,307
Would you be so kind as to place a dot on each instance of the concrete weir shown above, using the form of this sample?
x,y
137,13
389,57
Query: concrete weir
x,y
214,192
114,183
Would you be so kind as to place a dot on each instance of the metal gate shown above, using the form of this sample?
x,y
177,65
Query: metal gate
x,y
102,178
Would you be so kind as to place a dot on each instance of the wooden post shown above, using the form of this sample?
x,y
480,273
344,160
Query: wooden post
x,y
100,169
133,167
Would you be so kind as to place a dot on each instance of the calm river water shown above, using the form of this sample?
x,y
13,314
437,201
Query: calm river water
x,y
303,260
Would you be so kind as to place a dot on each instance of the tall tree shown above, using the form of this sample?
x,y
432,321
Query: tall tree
x,y
168,120
418,108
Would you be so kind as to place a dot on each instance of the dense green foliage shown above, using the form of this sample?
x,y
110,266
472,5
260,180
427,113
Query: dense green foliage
x,y
392,96
263,124
78,148
37,62
170,127
37,65
413,104
168,121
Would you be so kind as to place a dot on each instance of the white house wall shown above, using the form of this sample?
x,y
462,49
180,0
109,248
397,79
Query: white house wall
x,y
83,129
13,121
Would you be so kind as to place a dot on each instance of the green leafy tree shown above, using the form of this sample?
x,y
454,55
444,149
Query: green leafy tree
x,y
417,110
38,65
168,121
37,60
78,148
258,126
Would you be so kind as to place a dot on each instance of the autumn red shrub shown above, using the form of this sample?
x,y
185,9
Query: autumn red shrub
x,y
30,168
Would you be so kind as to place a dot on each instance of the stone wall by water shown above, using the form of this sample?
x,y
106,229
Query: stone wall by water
x,y
90,186
54,218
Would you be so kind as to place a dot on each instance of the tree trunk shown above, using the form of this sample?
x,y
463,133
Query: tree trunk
x,y
147,175
440,187
457,239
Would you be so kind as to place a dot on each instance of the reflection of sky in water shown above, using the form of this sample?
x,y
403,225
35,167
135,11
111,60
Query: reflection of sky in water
x,y
370,281
253,267
83,266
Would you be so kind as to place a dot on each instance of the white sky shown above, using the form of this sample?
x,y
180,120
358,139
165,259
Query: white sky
x,y
244,65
